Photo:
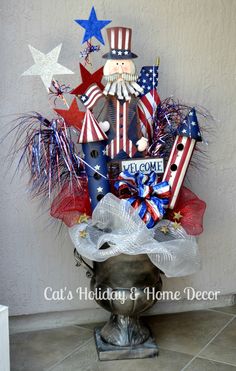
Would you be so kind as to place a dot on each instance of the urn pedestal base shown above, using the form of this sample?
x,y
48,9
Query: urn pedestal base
x,y
127,277
109,352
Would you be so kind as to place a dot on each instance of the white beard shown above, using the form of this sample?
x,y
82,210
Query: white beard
x,y
124,88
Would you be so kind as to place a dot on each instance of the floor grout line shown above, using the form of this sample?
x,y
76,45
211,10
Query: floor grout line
x,y
221,311
69,354
217,361
209,342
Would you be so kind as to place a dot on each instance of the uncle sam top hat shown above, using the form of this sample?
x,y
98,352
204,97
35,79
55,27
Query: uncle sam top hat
x,y
119,39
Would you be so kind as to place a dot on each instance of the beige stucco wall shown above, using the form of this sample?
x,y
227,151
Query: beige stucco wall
x,y
196,40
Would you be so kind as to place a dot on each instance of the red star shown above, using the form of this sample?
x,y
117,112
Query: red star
x,y
73,116
88,79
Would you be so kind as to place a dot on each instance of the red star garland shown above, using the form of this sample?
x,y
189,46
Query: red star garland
x,y
73,116
88,79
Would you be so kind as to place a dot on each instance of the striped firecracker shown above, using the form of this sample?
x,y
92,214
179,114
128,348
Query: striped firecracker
x,y
93,141
188,134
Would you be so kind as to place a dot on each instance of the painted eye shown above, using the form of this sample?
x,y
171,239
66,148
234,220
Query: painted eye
x,y
122,63
117,63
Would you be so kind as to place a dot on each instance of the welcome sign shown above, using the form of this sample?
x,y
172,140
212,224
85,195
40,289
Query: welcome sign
x,y
144,165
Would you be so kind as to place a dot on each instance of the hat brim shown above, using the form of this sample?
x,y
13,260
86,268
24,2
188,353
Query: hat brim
x,y
109,55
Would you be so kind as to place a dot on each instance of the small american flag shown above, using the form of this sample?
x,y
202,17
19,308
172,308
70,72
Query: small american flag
x,y
149,99
91,96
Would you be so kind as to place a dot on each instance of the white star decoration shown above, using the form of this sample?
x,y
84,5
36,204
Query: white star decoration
x,y
46,65
99,189
97,167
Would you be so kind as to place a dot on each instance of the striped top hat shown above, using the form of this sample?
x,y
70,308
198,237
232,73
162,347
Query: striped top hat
x,y
119,39
91,132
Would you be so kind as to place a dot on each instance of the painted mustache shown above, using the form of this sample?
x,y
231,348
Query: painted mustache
x,y
124,76
123,89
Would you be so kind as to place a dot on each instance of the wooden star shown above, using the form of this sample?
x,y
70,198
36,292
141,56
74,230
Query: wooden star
x,y
88,79
177,216
93,26
164,229
83,234
176,225
83,218
73,116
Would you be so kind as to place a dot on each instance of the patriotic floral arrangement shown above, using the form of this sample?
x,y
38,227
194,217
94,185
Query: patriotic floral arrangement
x,y
114,169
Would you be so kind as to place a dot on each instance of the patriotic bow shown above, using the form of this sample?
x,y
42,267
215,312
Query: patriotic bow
x,y
148,196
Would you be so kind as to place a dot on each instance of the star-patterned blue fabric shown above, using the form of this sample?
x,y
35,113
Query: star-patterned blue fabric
x,y
92,27
148,79
189,127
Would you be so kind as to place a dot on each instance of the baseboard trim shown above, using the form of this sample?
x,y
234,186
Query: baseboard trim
x,y
40,321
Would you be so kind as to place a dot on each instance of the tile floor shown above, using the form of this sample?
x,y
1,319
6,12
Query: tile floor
x,y
197,341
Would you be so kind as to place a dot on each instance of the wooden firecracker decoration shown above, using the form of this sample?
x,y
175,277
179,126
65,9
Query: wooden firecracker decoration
x,y
93,141
188,134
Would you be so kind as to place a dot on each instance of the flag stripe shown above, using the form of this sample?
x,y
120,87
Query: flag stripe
x,y
97,96
147,106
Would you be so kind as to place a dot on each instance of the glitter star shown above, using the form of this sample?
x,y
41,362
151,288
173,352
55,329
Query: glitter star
x,y
83,234
46,65
177,216
164,229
